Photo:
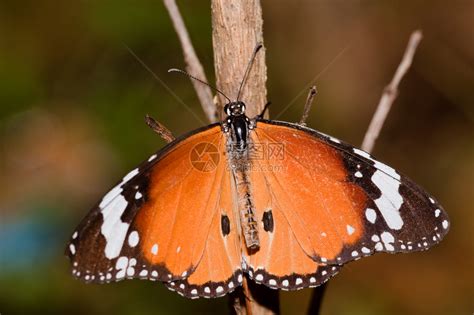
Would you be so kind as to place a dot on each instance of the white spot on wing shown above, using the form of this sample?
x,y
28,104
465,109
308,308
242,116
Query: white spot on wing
x,y
74,235
298,281
350,229
445,224
285,283
358,174
378,246
121,266
259,277
72,249
113,229
130,175
154,249
388,239
133,239
130,269
390,200
138,195
152,158
437,213
371,215
110,196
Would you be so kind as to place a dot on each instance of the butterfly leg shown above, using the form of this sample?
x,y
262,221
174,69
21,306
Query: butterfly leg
x,y
159,128
262,113
307,107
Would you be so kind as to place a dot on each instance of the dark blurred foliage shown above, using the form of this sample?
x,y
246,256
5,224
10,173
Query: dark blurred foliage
x,y
72,102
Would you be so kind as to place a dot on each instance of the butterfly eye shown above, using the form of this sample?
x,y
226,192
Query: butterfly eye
x,y
227,109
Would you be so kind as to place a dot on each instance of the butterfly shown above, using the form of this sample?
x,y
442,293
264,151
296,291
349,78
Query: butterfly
x,y
280,202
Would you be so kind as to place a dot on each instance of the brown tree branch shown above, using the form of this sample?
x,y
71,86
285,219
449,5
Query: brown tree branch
x,y
236,30
390,93
159,128
193,66
237,27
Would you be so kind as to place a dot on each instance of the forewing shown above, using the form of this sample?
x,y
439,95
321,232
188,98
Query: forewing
x,y
154,224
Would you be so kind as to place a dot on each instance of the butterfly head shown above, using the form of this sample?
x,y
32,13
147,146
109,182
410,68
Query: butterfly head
x,y
236,108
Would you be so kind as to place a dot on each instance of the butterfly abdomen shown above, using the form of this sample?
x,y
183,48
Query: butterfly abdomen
x,y
245,204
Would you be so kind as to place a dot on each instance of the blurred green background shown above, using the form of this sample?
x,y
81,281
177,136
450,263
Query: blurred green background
x,y
72,102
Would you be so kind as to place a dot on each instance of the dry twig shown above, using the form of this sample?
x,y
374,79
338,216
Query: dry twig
x,y
390,93
307,106
160,129
237,27
193,66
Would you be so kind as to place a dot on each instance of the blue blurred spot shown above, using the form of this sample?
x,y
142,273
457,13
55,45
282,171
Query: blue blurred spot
x,y
26,242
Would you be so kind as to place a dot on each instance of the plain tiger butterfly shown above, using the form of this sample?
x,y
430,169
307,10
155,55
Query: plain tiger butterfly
x,y
284,204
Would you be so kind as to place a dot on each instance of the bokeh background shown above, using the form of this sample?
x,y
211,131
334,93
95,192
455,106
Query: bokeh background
x,y
72,102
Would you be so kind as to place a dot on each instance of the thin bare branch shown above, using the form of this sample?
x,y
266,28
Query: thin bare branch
x,y
237,26
193,65
159,128
390,93
307,106
317,299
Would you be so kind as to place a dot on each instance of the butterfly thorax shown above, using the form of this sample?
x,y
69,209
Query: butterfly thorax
x,y
237,127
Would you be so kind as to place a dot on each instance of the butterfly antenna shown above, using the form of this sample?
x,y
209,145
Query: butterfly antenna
x,y
199,80
249,66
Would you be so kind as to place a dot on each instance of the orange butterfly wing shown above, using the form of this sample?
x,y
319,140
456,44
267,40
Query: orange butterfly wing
x,y
339,203
156,223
